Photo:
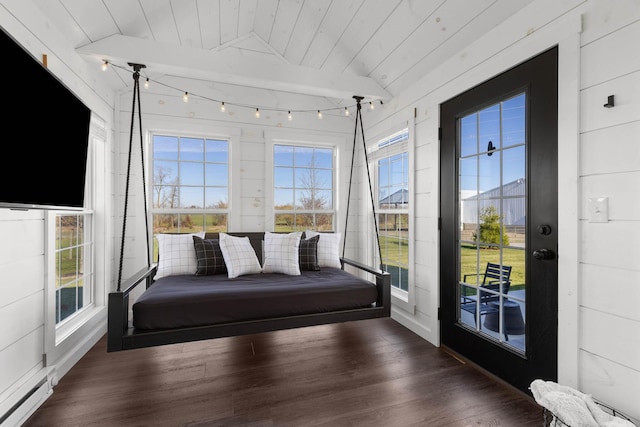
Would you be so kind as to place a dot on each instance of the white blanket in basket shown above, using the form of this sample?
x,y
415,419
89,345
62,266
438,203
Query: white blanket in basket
x,y
572,407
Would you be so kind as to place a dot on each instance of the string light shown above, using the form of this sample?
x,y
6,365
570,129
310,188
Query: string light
x,y
106,64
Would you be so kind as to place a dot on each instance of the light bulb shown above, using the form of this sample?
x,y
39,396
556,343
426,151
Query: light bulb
x,y
346,111
290,117
222,107
371,106
257,113
185,97
105,65
319,114
146,83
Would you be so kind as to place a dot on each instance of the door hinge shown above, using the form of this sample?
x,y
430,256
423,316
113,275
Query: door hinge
x,y
439,134
438,313
439,223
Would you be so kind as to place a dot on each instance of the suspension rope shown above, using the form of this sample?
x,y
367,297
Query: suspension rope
x,y
366,162
136,96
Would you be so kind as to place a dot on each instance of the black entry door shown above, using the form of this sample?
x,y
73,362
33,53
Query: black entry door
x,y
498,207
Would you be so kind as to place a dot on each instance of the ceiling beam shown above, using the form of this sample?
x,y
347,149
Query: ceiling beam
x,y
234,67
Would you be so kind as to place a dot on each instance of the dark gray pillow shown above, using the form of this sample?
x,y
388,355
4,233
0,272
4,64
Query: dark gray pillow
x,y
209,257
308,254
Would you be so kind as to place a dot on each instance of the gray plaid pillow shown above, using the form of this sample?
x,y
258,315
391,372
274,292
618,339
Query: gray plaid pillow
x,y
308,254
209,257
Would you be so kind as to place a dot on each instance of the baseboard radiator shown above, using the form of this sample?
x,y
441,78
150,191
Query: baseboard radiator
x,y
26,405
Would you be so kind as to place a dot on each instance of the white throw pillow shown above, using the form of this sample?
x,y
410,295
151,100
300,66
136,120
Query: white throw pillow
x,y
239,256
176,254
281,253
328,248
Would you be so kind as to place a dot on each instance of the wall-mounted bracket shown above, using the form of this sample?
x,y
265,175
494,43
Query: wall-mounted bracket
x,y
610,102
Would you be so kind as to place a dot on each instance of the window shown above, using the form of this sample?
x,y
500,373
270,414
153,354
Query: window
x,y
190,190
73,267
391,158
303,188
75,242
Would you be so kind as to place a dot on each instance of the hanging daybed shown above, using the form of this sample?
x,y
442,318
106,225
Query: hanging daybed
x,y
224,295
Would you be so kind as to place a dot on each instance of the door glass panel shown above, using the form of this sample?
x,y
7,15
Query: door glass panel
x,y
492,219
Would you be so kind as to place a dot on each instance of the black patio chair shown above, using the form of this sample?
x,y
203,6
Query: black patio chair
x,y
495,278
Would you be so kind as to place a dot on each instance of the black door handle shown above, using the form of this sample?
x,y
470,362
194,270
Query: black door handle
x,y
543,254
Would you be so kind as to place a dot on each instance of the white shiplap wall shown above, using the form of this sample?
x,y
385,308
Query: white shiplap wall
x,y
599,154
609,262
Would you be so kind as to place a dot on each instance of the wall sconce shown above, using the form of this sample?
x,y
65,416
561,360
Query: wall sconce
x,y
610,102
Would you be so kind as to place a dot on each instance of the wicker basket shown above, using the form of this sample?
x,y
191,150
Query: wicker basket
x,y
552,420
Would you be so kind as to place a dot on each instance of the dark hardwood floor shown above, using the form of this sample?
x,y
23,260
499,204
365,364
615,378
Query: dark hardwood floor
x,y
366,373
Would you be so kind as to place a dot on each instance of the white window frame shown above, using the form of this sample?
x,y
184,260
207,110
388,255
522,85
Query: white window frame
x,y
299,140
186,211
399,298
58,334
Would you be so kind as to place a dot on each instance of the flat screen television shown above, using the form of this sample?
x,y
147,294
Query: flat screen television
x,y
44,135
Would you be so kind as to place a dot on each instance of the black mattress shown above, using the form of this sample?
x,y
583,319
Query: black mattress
x,y
189,300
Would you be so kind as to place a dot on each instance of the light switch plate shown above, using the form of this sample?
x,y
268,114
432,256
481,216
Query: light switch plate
x,y
598,209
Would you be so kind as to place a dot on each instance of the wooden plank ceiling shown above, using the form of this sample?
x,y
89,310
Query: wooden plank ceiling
x,y
329,48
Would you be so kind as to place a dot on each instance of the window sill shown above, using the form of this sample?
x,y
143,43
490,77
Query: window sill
x,y
400,299
67,329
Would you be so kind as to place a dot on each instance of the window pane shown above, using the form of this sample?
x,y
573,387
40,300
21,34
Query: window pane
x,y
513,121
192,173
489,127
282,155
489,173
284,222
469,135
323,200
323,179
217,174
303,221
167,223
165,147
383,173
191,197
217,151
216,222
303,180
303,156
191,149
283,199
323,158
215,198
283,177
324,222
73,289
514,164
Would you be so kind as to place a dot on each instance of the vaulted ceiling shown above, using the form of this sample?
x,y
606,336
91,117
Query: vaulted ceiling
x,y
330,48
